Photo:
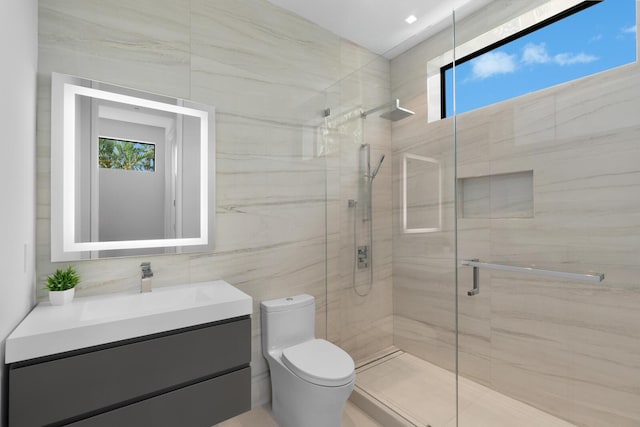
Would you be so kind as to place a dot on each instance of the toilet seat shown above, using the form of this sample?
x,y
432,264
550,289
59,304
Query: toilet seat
x,y
319,362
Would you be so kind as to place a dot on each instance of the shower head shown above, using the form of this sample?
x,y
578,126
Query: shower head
x,y
377,168
395,113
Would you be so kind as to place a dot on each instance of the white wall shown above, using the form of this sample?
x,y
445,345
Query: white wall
x,y
19,51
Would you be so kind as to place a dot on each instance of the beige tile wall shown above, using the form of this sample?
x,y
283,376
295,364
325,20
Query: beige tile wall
x,y
569,348
269,74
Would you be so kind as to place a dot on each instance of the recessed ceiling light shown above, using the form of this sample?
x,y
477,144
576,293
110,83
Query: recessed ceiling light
x,y
411,19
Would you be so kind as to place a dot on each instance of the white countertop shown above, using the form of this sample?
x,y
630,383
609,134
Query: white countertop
x,y
96,320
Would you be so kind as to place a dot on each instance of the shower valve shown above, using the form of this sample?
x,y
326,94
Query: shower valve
x,y
363,257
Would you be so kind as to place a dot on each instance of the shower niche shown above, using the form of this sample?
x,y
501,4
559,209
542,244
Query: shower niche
x,y
508,195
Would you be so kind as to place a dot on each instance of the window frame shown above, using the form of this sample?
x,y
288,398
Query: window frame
x,y
519,26
131,141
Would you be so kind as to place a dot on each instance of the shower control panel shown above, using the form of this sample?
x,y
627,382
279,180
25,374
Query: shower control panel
x,y
363,257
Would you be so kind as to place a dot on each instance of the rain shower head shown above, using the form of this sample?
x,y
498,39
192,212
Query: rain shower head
x,y
395,113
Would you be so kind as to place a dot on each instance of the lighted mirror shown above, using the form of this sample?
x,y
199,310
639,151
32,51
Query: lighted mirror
x,y
421,194
132,173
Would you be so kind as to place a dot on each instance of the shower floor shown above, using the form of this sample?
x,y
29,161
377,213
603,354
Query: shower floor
x,y
406,391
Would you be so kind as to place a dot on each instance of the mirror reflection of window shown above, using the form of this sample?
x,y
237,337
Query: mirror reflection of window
x,y
126,155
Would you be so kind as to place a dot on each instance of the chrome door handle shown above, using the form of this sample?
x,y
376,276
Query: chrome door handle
x,y
476,280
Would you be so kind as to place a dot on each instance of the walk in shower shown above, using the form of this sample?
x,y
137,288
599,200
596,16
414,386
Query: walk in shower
x,y
502,289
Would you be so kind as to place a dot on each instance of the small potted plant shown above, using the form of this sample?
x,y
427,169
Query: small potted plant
x,y
61,286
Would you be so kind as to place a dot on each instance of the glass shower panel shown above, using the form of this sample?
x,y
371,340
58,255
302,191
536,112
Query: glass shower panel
x,y
391,303
415,379
548,223
360,306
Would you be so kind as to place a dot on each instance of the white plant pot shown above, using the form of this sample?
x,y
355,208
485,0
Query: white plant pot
x,y
61,297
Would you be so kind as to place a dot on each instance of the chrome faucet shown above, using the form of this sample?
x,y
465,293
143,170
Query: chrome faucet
x,y
147,274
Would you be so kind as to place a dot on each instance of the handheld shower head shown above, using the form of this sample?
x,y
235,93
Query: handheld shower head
x,y
377,168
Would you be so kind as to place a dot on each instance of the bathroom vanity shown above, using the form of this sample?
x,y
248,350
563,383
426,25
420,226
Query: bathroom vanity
x,y
178,356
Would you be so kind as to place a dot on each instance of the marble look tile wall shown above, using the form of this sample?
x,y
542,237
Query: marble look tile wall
x,y
565,347
269,74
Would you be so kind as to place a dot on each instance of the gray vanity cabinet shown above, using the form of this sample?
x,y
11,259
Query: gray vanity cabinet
x,y
196,376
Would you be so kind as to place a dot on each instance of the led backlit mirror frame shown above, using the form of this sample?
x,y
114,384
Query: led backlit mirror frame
x,y
63,171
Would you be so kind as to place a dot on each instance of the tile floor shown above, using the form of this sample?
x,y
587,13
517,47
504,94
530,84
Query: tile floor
x,y
424,394
261,417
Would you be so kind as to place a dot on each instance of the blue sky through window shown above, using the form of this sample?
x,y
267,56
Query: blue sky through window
x,y
593,40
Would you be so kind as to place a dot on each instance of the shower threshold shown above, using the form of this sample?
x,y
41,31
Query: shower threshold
x,y
402,390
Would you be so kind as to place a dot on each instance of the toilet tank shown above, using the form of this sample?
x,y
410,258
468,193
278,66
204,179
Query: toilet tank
x,y
287,321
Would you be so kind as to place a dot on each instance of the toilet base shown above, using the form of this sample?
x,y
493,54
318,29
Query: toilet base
x,y
298,403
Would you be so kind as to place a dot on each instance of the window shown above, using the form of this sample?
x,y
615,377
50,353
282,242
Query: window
x,y
584,40
127,155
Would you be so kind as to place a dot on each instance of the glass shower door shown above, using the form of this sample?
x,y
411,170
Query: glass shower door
x,y
548,237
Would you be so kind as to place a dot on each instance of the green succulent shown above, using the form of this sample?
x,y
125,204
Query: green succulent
x,y
63,280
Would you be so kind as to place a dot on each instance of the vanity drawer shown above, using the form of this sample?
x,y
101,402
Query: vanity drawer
x,y
200,405
89,382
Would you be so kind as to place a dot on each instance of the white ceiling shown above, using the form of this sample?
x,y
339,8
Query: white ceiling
x,y
379,25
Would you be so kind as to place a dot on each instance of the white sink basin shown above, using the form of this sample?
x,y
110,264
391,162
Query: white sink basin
x,y
160,300
99,320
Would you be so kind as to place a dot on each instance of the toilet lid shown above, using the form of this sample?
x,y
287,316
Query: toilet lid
x,y
319,362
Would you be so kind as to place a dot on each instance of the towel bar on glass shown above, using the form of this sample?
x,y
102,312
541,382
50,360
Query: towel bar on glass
x,y
476,264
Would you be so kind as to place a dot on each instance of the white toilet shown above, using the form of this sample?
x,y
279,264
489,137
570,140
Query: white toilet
x,y
311,379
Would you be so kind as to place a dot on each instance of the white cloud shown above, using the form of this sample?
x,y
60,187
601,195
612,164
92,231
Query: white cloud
x,y
573,58
596,38
628,30
535,54
538,54
493,63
